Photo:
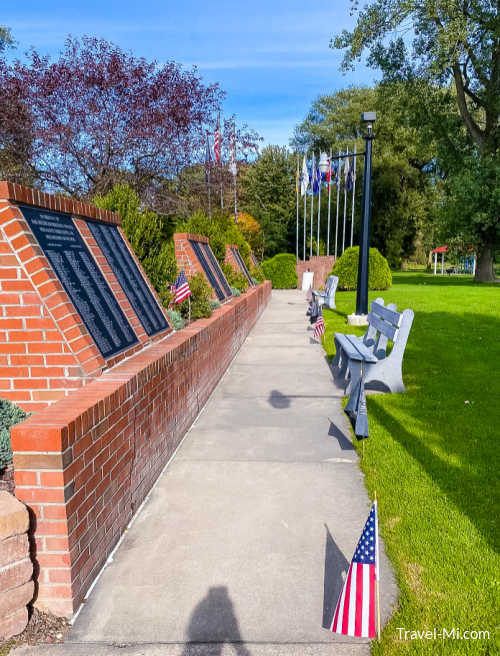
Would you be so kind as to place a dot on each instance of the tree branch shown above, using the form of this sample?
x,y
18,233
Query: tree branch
x,y
474,130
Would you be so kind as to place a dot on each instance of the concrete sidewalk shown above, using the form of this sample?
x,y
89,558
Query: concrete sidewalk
x,y
245,537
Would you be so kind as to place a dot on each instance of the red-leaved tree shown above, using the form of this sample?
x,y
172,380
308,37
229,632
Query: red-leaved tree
x,y
99,115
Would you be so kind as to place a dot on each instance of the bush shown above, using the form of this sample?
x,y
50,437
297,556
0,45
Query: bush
x,y
147,235
235,291
214,305
257,274
10,414
235,278
201,295
280,270
176,319
346,268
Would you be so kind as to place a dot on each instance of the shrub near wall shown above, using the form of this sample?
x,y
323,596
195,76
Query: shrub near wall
x,y
280,270
346,268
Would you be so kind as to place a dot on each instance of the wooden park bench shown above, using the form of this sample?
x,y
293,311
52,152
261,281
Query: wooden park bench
x,y
366,357
327,297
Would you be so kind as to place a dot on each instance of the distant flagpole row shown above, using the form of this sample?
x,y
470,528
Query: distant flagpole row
x,y
311,181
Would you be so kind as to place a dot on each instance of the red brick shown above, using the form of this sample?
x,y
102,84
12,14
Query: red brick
x,y
25,478
39,495
54,512
52,479
57,543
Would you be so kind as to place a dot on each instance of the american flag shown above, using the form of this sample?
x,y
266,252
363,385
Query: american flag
x,y
355,611
181,288
217,140
319,328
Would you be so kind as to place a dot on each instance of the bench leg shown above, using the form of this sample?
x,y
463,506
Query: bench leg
x,y
355,368
387,372
356,406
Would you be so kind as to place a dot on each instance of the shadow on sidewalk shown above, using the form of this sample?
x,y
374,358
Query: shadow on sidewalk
x,y
213,624
336,567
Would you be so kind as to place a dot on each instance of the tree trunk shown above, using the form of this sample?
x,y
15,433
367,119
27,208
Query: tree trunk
x,y
485,271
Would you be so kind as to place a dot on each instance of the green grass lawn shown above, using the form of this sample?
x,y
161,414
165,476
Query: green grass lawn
x,y
433,459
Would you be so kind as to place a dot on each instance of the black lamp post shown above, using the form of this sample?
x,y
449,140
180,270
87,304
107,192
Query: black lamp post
x,y
366,212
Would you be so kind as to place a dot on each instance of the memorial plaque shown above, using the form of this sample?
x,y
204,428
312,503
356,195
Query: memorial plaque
x,y
216,268
127,273
241,264
82,279
206,268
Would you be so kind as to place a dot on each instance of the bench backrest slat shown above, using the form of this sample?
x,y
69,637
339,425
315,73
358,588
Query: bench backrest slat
x,y
386,313
383,327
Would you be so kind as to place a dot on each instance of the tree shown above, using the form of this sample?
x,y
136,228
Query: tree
x,y
101,116
251,231
268,194
457,43
6,40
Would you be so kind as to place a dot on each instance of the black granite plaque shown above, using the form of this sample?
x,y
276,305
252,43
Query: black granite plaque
x,y
216,267
214,283
241,265
82,279
132,281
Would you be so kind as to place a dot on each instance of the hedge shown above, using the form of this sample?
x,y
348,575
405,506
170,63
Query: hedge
x,y
346,268
280,270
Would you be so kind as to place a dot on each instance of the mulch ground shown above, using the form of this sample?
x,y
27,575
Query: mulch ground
x,y
42,628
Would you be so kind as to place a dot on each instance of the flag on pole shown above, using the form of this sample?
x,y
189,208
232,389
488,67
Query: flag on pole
x,y
297,177
329,174
315,179
217,141
208,160
349,183
181,288
355,611
319,328
232,164
305,178
338,173
347,168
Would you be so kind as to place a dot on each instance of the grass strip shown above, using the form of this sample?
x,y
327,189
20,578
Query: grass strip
x,y
433,458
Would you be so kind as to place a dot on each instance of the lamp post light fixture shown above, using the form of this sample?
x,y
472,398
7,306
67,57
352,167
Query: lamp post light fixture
x,y
368,118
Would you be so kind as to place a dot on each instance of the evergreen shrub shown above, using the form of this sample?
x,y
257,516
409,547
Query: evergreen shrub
x,y
201,295
346,268
176,319
10,414
280,270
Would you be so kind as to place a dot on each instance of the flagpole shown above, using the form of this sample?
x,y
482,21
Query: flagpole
x,y
345,205
337,213
208,164
305,218
297,207
329,199
312,206
319,206
353,194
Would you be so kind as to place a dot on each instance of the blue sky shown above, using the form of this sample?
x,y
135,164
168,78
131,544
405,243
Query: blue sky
x,y
271,57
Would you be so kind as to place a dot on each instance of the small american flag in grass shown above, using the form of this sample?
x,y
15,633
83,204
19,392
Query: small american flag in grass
x,y
181,288
319,328
355,611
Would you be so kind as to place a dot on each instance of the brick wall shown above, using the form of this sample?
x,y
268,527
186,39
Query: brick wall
x,y
45,349
16,568
84,464
320,265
